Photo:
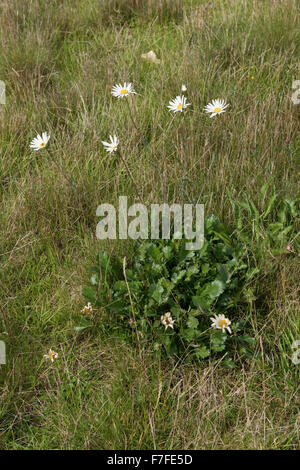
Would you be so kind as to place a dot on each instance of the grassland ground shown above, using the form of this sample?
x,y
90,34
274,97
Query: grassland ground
x,y
59,61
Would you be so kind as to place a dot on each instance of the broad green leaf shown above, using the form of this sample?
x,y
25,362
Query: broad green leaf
x,y
177,276
202,302
264,189
215,289
188,334
77,329
218,339
269,206
247,339
155,253
192,322
293,208
228,362
202,352
156,293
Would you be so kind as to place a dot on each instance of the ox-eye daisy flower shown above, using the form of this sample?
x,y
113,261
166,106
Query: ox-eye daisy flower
x,y
178,104
87,309
51,355
216,107
40,141
119,91
167,320
113,145
221,323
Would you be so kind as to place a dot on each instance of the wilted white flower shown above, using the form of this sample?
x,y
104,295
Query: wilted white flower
x,y
120,91
216,107
51,355
290,248
151,56
113,145
40,141
87,309
178,104
183,88
221,323
167,320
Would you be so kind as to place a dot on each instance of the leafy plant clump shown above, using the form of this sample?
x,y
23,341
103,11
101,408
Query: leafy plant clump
x,y
191,285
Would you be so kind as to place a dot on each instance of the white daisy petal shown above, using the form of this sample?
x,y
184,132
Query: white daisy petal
x,y
178,104
51,355
119,91
111,146
221,323
40,142
216,107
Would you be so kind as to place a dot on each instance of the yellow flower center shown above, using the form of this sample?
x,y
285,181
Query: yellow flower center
x,y
42,144
217,110
124,91
179,106
222,323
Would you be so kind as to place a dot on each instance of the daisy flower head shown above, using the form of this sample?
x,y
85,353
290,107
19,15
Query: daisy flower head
x,y
111,146
87,309
167,320
216,107
119,91
178,104
221,323
183,88
40,142
51,355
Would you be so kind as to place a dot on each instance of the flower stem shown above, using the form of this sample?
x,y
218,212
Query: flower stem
x,y
61,170
208,171
148,151
130,175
